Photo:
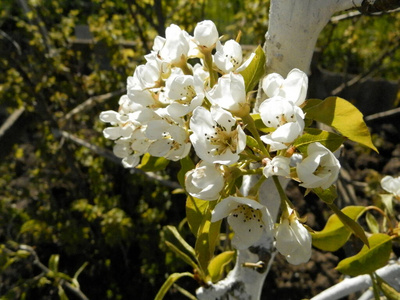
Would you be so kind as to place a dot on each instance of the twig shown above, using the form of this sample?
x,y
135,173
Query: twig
x,y
92,101
76,291
375,66
384,114
390,273
110,156
11,120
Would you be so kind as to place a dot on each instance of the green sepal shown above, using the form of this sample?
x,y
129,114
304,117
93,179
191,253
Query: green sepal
x,y
255,70
369,259
335,234
342,116
260,124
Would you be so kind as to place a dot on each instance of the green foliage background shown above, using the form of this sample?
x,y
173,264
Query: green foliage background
x,y
61,190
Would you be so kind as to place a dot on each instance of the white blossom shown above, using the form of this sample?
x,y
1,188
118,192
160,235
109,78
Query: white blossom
x,y
205,181
216,137
293,88
186,93
174,47
229,56
206,35
286,117
248,218
391,185
229,93
319,169
279,165
293,240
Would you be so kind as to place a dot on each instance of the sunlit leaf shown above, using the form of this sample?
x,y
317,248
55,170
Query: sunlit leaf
x,y
181,240
218,263
255,70
372,223
330,140
369,259
169,282
195,211
186,258
152,164
335,234
344,117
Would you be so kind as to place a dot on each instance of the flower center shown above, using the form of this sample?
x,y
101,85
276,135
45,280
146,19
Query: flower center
x,y
246,214
223,140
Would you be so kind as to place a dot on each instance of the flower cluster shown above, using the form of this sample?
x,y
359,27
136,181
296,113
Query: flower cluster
x,y
175,103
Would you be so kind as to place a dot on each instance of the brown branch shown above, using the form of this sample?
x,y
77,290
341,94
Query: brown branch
x,y
376,65
90,102
111,157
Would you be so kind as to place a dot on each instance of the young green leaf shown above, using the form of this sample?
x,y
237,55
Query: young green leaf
x,y
330,140
218,263
369,259
255,70
169,282
195,211
387,289
182,255
260,124
327,195
152,164
344,117
186,165
372,223
335,234
181,240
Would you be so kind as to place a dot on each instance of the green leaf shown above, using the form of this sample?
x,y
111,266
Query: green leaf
x,y
169,282
218,263
369,259
327,195
255,70
330,140
181,240
372,223
352,225
186,258
387,290
260,124
195,211
186,165
251,142
344,117
387,200
53,263
207,237
335,234
152,164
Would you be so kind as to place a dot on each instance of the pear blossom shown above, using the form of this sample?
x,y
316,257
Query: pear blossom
x,y
216,137
170,139
319,169
293,240
391,184
293,87
287,118
206,35
229,93
205,181
279,165
248,218
229,56
186,93
174,47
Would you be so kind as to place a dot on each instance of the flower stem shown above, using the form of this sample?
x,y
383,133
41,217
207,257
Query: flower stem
x,y
285,202
251,126
375,287
209,63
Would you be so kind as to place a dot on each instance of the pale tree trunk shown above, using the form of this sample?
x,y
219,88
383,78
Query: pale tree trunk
x,y
294,26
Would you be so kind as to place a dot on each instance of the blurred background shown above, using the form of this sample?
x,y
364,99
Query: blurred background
x,y
66,203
